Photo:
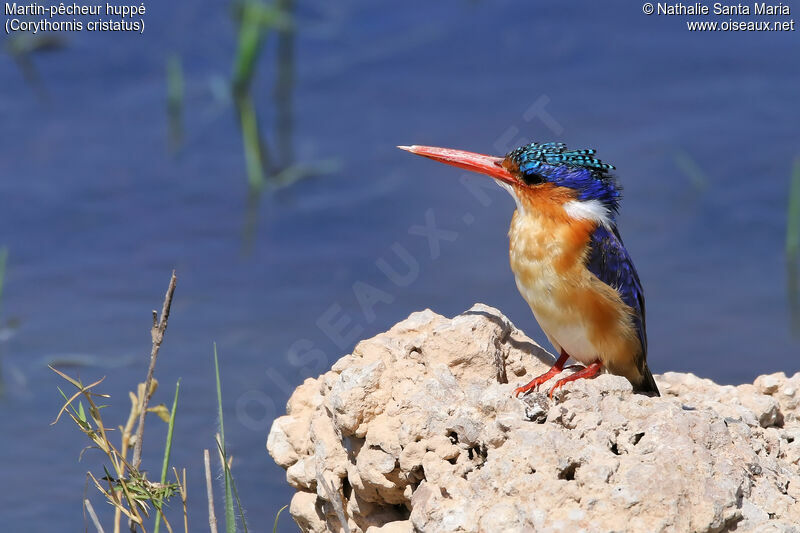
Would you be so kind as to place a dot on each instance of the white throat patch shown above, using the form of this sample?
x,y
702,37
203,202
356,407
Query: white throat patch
x,y
513,194
593,210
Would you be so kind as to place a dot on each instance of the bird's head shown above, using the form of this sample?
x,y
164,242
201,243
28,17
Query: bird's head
x,y
539,170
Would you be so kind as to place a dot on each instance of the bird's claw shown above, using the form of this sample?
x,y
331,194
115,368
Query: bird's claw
x,y
558,385
533,385
535,382
587,372
524,390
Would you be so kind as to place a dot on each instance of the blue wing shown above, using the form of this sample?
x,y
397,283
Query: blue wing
x,y
609,261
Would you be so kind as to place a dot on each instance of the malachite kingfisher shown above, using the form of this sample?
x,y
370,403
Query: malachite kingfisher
x,y
568,258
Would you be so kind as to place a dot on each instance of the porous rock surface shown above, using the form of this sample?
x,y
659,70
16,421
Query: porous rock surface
x,y
418,430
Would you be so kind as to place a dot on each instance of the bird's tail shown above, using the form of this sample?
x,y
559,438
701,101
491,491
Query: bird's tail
x,y
647,385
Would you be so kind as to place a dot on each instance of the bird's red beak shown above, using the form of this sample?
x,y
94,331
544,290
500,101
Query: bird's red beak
x,y
483,164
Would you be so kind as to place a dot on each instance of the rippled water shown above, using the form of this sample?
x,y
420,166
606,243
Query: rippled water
x,y
96,209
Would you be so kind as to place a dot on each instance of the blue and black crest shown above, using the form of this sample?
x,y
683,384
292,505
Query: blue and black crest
x,y
554,163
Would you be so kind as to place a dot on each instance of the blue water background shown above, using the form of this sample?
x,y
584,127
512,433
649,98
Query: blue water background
x,y
96,209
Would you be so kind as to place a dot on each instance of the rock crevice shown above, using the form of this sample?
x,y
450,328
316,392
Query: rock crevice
x,y
417,430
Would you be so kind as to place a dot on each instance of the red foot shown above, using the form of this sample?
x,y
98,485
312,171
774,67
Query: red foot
x,y
588,372
535,382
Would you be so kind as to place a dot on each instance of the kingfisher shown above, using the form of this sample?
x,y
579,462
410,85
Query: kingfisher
x,y
568,259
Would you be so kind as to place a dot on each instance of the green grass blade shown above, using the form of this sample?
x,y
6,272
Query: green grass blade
x,y
275,526
66,399
168,447
228,473
81,412
254,155
256,19
793,213
175,96
238,502
219,399
230,517
174,82
251,37
170,428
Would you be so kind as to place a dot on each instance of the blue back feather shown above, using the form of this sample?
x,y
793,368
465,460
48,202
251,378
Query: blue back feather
x,y
609,261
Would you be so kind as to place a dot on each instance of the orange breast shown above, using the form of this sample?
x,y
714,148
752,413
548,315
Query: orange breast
x,y
579,313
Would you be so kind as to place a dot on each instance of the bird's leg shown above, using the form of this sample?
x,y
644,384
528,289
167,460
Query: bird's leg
x,y
535,382
588,372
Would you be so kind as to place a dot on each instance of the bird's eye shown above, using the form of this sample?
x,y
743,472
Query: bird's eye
x,y
532,178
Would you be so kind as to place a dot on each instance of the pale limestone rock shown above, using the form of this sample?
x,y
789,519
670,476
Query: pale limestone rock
x,y
302,475
414,432
769,383
289,437
307,512
399,526
278,443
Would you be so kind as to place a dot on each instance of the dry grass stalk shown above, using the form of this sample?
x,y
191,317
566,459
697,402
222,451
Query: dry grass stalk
x,y
212,517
